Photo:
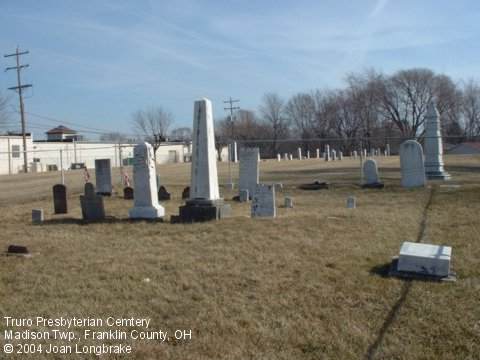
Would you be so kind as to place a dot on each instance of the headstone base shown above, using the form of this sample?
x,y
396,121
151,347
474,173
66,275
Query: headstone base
x,y
438,175
377,185
146,212
104,193
199,210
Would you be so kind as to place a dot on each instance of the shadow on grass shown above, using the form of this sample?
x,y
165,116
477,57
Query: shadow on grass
x,y
381,270
458,168
107,220
372,350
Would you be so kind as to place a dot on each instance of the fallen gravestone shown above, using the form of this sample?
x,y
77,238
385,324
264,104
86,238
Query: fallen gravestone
x,y
128,193
263,201
370,173
60,199
412,164
37,216
424,261
92,204
17,250
314,186
103,177
163,194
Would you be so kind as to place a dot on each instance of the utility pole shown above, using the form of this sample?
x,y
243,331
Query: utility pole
x,y
19,88
230,145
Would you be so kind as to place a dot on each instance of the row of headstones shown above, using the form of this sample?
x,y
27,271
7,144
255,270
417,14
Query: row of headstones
x,y
414,173
332,155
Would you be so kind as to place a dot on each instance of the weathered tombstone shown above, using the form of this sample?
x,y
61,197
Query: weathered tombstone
x,y
334,155
425,259
60,199
288,202
263,201
128,193
351,202
17,250
248,169
291,157
146,204
411,164
340,155
355,154
244,196
327,152
92,204
204,203
364,153
388,149
308,154
299,150
434,167
163,194
37,216
279,157
370,174
103,177
186,193
318,153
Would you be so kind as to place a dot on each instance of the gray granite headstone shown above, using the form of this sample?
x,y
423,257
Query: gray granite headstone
x,y
351,202
248,169
37,216
244,196
370,171
288,202
92,204
263,201
60,199
103,177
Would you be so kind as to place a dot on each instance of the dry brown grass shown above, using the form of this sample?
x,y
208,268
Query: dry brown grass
x,y
306,285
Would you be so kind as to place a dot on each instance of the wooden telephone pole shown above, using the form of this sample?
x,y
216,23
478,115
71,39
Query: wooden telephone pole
x,y
19,88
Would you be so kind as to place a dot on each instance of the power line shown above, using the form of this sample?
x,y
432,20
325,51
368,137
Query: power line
x,y
19,88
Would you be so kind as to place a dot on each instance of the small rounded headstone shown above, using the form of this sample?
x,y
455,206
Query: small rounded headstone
x,y
351,202
288,202
37,216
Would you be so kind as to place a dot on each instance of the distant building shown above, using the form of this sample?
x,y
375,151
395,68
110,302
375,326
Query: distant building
x,y
62,133
466,148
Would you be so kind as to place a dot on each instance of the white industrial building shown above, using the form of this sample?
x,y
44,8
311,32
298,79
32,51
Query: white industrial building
x,y
65,150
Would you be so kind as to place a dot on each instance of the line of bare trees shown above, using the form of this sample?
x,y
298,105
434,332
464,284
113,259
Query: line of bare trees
x,y
371,106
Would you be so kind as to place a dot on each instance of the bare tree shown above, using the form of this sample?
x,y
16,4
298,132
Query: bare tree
x,y
300,110
273,114
403,99
151,123
471,108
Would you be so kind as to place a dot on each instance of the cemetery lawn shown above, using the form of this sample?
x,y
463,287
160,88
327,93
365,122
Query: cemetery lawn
x,y
309,284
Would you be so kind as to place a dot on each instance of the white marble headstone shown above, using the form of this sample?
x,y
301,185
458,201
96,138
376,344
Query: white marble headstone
x,y
248,169
370,171
318,153
327,152
146,204
411,164
204,179
263,201
434,167
299,150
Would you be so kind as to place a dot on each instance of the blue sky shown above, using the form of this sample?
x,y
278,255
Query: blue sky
x,y
96,62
